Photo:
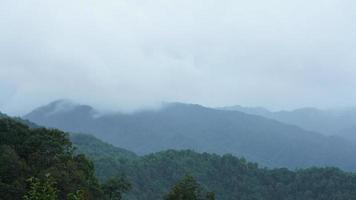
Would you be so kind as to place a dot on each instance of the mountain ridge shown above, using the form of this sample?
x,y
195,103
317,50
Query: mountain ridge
x,y
328,122
190,126
151,176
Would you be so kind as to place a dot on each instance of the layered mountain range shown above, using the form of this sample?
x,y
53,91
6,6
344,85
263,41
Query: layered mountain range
x,y
187,126
48,154
340,122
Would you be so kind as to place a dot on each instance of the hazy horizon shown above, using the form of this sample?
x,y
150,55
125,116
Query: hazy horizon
x,y
124,55
67,103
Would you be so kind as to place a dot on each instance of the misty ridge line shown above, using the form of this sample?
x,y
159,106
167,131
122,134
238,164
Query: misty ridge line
x,y
66,102
137,52
178,100
263,139
330,122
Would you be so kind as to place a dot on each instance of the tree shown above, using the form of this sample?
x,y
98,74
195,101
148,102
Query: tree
x,y
115,187
78,195
42,189
188,189
34,152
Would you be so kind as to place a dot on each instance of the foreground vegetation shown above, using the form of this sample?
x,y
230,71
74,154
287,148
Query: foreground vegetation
x,y
38,163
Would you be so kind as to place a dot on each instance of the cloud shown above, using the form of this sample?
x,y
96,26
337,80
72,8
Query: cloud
x,y
119,54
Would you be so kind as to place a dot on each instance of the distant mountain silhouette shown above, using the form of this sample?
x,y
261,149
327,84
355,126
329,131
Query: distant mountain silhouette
x,y
327,122
349,133
186,126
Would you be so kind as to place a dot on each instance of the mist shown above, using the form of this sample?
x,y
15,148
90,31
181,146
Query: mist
x,y
125,55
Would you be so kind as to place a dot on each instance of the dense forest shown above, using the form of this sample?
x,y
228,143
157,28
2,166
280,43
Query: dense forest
x,y
230,178
38,159
40,164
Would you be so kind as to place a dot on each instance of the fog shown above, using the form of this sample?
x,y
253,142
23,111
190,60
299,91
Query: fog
x,y
124,55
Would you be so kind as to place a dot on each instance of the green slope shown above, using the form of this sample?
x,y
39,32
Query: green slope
x,y
35,153
229,177
18,119
153,175
95,148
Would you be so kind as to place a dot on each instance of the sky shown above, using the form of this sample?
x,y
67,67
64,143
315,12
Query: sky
x,y
130,54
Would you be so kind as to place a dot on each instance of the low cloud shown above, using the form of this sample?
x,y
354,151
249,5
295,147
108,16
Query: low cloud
x,y
124,55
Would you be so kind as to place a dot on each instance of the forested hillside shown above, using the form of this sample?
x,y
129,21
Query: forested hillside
x,y
139,100
184,126
40,164
96,148
41,155
21,120
27,153
230,178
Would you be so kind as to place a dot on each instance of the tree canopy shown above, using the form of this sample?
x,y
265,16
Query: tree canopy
x,y
188,189
35,153
229,177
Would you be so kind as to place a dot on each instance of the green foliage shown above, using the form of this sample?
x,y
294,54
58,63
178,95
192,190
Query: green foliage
x,y
78,195
41,190
94,147
2,115
106,157
20,120
12,173
188,189
229,177
27,152
115,187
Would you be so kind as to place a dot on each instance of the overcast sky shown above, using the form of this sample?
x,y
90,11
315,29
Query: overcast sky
x,y
126,54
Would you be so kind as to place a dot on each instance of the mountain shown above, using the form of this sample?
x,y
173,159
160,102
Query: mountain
x,y
97,149
260,111
63,114
328,122
107,158
186,126
227,176
349,133
45,157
